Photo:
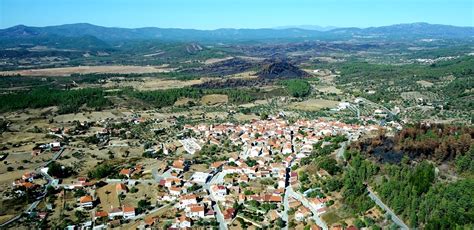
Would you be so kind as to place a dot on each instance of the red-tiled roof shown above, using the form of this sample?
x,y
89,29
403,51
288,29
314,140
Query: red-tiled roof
x,y
85,199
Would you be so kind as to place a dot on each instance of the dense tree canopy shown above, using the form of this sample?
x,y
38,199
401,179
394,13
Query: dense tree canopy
x,y
413,194
69,101
297,87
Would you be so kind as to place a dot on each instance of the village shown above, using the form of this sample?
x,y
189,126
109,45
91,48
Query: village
x,y
258,185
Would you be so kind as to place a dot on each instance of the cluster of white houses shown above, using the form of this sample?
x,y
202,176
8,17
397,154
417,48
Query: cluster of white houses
x,y
269,149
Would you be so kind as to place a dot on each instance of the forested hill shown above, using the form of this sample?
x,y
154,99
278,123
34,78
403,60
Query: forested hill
x,y
426,174
414,30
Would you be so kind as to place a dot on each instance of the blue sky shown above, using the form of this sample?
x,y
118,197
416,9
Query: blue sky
x,y
212,14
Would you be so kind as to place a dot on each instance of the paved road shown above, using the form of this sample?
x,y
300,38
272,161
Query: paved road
x,y
155,174
286,206
340,151
305,202
216,179
220,217
379,202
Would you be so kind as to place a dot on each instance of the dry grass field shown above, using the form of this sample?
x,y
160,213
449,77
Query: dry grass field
x,y
245,117
184,101
5,218
313,104
328,89
213,99
153,84
67,71
108,197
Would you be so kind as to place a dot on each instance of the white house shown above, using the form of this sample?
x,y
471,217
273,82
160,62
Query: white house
x,y
183,222
186,200
302,213
200,177
86,202
115,212
128,212
196,211
175,191
317,203
218,192
281,183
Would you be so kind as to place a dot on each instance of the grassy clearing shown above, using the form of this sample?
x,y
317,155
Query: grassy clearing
x,y
331,217
213,99
313,104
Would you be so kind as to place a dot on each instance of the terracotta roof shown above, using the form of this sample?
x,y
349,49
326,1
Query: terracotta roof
x,y
304,210
101,214
197,209
128,209
172,188
218,187
28,185
184,218
178,164
149,221
125,172
188,197
217,164
28,175
120,186
229,213
85,199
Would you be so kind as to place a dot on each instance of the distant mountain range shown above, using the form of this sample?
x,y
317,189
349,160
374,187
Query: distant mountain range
x,y
307,27
93,35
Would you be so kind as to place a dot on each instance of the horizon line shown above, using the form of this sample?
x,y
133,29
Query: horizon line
x,y
281,27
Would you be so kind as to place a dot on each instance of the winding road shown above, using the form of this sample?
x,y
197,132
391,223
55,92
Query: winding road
x,y
394,216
